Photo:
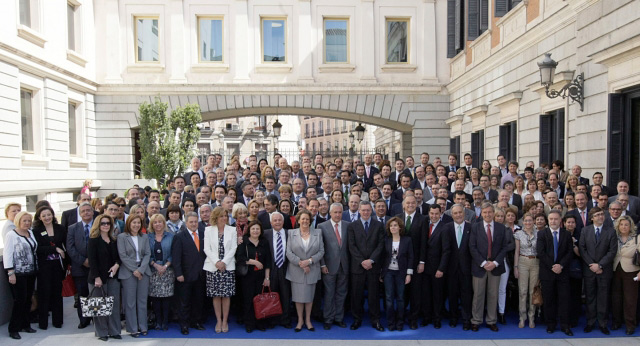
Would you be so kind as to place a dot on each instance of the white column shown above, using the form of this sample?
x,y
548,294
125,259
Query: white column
x,y
112,40
429,63
242,45
367,43
305,56
176,43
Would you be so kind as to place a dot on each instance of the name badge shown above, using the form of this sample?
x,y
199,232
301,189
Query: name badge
x,y
43,233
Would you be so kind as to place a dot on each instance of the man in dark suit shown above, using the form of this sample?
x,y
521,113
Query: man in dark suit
x,y
270,206
77,239
335,267
488,247
468,164
366,242
459,270
188,259
399,169
387,190
453,163
489,193
195,169
71,216
460,198
360,175
313,205
577,171
581,212
352,214
247,193
415,227
633,207
598,246
179,184
422,207
436,258
369,168
380,208
555,251
277,238
444,218
405,183
556,185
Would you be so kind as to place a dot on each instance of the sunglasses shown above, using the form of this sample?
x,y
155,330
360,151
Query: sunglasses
x,y
122,205
105,223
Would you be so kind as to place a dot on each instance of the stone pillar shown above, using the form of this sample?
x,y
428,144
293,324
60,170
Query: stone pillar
x,y
113,59
177,42
305,50
367,45
429,74
240,32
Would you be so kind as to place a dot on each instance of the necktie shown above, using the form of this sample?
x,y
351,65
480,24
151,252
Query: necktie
x,y
408,223
297,199
279,251
346,191
584,218
353,217
366,227
459,235
196,240
86,233
381,219
368,171
430,230
489,241
338,236
387,201
597,234
555,246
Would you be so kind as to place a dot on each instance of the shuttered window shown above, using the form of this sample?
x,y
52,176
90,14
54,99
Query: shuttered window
x,y
552,136
454,145
504,6
477,19
477,147
455,33
618,144
509,141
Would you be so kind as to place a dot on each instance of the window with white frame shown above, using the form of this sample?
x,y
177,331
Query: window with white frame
x,y
147,39
274,42
336,40
397,34
73,133
26,115
210,39
72,26
25,12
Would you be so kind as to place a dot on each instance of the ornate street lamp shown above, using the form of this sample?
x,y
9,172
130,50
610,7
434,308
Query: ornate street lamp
x,y
351,138
277,127
360,132
574,89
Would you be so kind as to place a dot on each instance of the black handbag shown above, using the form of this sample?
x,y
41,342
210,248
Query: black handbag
x,y
242,268
636,256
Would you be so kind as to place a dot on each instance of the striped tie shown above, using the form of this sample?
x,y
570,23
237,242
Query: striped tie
x,y
279,252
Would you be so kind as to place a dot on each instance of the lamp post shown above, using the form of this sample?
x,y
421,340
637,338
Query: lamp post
x,y
360,132
277,128
574,89
221,139
260,142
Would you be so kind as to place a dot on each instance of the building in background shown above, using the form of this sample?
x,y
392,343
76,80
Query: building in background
x,y
334,137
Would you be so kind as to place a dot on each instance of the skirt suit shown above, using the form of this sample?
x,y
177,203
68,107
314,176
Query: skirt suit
x,y
303,286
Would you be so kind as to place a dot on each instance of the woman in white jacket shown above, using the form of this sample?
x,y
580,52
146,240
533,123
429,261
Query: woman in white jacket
x,y
220,245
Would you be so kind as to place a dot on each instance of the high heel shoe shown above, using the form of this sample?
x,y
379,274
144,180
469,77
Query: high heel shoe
x,y
218,328
225,328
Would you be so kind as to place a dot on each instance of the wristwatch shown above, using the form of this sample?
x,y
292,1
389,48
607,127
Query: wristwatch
x,y
11,272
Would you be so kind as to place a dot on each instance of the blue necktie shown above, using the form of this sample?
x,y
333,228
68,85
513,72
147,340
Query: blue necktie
x,y
555,246
279,251
86,233
597,234
366,227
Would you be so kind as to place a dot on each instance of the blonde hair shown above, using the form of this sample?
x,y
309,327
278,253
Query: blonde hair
x,y
216,214
153,219
8,206
632,226
95,228
238,207
19,216
87,182
134,209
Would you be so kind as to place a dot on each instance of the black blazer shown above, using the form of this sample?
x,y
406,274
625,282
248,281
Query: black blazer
x,y
479,251
493,195
445,219
603,252
517,201
372,170
364,246
417,233
268,236
544,250
264,219
579,225
187,260
69,217
404,257
102,256
184,195
459,257
318,220
436,256
45,248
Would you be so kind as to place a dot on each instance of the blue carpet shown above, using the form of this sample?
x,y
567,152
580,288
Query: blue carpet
x,y
509,331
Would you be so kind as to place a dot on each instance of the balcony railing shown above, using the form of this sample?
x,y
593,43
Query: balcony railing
x,y
306,134
344,129
320,133
313,133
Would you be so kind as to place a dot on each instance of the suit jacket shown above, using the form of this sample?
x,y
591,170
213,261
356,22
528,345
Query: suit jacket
x,y
418,235
317,220
634,203
346,215
268,234
127,253
211,248
579,225
366,182
45,247
184,195
69,217
384,219
404,257
436,256
274,192
624,256
396,209
187,176
603,252
517,201
77,249
394,176
188,261
584,180
493,195
459,257
446,219
544,249
296,253
372,170
98,251
469,215
335,256
265,220
363,246
478,243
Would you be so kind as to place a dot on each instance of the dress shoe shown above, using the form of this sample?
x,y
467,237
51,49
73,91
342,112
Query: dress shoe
x,y
340,324
261,328
184,331
475,327
605,330
312,329
248,329
567,331
297,330
199,326
57,326
103,338
117,337
588,328
521,324
493,327
550,330
466,325
502,319
437,324
45,327
413,325
144,333
15,336
615,326
453,323
391,327
83,325
135,335
286,325
630,331
377,326
425,322
356,325
327,326
29,330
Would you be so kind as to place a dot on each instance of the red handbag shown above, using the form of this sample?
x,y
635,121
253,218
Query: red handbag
x,y
267,305
68,285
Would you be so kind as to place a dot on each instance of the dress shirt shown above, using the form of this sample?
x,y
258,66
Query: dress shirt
x,y
493,232
275,242
458,237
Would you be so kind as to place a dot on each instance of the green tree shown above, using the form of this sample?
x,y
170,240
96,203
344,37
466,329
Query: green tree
x,y
167,141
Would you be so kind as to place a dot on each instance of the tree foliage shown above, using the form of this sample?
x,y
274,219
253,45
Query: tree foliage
x,y
167,141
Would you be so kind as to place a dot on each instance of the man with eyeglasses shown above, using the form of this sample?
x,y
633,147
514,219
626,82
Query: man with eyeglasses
x,y
71,216
77,240
112,210
614,212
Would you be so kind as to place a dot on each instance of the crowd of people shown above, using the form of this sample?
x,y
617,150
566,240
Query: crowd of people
x,y
484,238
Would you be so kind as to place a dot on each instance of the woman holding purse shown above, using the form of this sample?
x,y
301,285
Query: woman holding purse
x,y
624,289
51,237
104,262
254,251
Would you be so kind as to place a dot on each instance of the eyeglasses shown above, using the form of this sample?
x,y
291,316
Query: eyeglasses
x,y
105,223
